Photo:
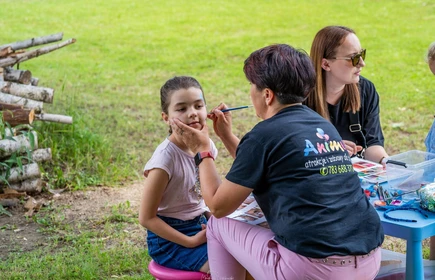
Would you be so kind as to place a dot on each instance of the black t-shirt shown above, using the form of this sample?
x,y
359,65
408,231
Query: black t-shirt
x,y
303,180
368,117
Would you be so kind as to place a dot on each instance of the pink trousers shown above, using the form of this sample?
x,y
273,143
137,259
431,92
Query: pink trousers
x,y
234,247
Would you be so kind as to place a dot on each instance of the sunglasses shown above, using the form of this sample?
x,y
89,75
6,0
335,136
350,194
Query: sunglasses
x,y
354,58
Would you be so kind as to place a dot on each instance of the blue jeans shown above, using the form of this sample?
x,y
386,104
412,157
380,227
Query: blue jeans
x,y
172,255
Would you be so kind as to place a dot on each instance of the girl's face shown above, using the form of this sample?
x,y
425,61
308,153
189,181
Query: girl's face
x,y
341,70
188,106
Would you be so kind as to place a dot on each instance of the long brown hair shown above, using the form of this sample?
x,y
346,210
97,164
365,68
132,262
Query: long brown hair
x,y
325,44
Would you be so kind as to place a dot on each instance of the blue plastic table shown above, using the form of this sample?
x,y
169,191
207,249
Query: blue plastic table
x,y
413,233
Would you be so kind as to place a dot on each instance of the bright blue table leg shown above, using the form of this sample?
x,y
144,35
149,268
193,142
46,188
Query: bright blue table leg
x,y
414,260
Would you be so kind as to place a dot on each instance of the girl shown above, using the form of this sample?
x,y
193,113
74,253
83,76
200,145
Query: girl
x,y
172,208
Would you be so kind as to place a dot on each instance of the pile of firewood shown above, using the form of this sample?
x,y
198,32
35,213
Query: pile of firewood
x,y
21,103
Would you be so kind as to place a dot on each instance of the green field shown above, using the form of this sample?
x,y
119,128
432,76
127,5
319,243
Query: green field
x,y
109,80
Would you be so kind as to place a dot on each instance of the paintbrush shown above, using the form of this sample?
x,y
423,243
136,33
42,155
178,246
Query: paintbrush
x,y
236,108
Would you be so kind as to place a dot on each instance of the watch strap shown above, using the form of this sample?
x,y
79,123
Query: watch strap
x,y
202,155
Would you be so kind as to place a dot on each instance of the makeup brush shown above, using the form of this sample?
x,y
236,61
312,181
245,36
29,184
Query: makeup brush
x,y
236,108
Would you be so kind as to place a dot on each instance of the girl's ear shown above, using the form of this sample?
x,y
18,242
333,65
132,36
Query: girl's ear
x,y
165,117
325,64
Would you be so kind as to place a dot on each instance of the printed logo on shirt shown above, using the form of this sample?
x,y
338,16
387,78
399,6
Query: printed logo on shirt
x,y
328,160
323,146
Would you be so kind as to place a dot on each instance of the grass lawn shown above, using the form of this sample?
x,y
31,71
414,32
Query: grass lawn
x,y
109,82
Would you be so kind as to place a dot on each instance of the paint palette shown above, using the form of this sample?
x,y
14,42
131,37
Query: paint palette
x,y
373,172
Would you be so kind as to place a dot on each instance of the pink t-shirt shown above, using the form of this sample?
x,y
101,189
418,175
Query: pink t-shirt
x,y
182,198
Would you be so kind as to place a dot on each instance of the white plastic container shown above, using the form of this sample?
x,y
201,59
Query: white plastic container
x,y
415,159
422,166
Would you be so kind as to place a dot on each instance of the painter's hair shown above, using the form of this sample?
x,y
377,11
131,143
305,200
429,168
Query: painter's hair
x,y
431,52
325,45
174,84
288,72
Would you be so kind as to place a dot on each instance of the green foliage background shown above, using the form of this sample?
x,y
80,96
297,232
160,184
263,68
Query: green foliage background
x,y
109,79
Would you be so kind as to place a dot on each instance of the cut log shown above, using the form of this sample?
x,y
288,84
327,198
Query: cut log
x,y
34,41
26,103
17,174
32,185
54,118
18,130
19,144
18,116
7,106
10,61
28,91
41,155
17,76
14,131
5,51
34,81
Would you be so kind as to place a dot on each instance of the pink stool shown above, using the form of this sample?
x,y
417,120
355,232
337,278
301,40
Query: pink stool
x,y
164,273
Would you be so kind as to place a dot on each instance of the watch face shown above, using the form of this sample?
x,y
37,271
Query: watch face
x,y
198,159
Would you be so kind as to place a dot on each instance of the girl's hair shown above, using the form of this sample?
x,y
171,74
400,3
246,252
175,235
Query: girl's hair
x,y
431,52
325,45
288,72
174,84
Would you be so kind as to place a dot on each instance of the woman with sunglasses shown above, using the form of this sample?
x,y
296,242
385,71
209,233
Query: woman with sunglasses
x,y
343,96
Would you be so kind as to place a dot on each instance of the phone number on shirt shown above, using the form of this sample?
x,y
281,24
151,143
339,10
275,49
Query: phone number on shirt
x,y
336,169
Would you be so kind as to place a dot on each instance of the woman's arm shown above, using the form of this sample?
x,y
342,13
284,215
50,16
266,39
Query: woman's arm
x,y
155,185
221,198
375,153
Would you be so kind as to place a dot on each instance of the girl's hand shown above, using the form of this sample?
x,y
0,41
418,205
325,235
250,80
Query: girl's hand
x,y
221,121
199,238
352,148
196,140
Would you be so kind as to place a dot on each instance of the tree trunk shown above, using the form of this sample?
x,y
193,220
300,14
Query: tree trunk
x,y
19,144
19,116
40,155
32,185
34,42
28,171
7,106
54,118
10,61
17,76
28,91
26,103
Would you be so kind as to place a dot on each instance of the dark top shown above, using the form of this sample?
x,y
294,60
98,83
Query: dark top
x,y
304,182
368,117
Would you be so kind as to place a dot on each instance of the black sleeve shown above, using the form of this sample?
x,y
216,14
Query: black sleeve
x,y
369,113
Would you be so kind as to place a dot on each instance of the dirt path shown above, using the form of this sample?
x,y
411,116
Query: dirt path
x,y
19,233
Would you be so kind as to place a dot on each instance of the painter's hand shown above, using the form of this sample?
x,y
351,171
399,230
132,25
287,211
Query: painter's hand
x,y
221,121
199,238
352,148
196,140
